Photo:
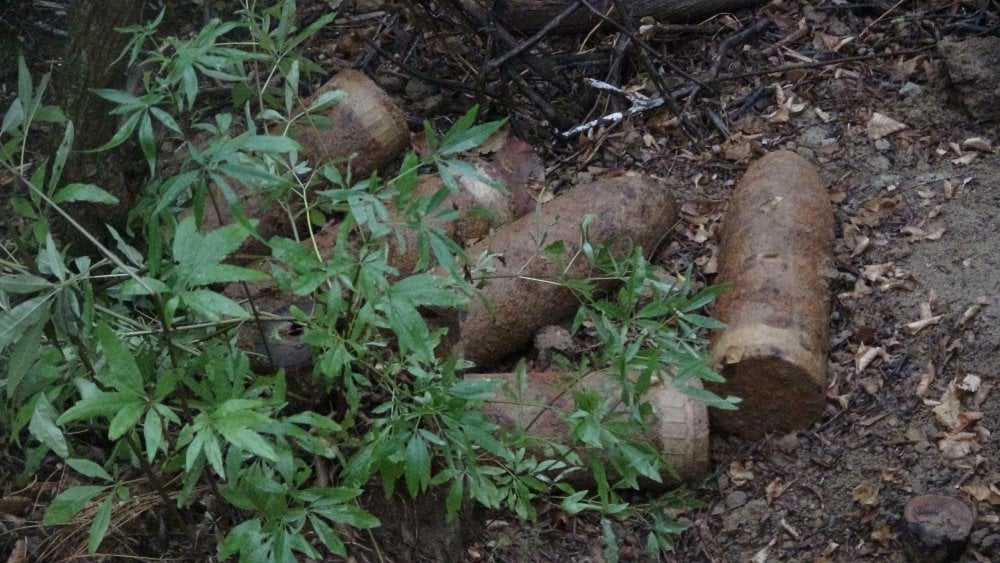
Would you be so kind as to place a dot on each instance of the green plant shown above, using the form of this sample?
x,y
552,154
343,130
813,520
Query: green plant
x,y
133,353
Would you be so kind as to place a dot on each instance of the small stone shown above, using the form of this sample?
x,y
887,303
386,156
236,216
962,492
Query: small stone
x,y
789,442
910,89
735,499
883,144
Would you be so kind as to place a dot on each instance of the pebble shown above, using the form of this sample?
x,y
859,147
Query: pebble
x,y
910,89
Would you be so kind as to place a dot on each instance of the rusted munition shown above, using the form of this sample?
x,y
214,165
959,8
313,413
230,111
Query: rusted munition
x,y
523,292
775,249
936,528
366,125
679,427
480,207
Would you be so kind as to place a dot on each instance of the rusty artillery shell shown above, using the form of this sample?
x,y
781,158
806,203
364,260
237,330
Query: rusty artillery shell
x,y
679,428
367,123
777,244
520,297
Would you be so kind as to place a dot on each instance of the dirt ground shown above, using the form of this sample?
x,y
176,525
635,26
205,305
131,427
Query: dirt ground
x,y
912,396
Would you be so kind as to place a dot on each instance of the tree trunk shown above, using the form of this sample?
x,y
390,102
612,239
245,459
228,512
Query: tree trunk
x,y
90,62
529,16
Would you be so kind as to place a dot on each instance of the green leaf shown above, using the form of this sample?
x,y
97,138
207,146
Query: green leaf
x,y
166,119
173,188
89,468
326,99
125,419
44,429
329,538
24,83
250,441
417,465
213,306
152,434
50,261
473,389
702,321
68,503
122,372
456,494
99,529
425,289
23,357
122,134
147,141
102,404
709,398
14,117
62,154
274,144
119,97
84,192
23,283
199,257
470,138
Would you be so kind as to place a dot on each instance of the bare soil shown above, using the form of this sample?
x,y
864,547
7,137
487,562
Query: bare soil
x,y
911,409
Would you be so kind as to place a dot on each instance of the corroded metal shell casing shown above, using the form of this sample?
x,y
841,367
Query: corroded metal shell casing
x,y
775,251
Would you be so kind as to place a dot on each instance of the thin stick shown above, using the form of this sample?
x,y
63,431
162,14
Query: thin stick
x,y
527,44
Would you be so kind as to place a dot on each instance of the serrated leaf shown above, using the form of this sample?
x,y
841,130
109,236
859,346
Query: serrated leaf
x,y
68,503
44,429
453,502
199,256
166,119
416,465
122,373
24,356
329,538
213,306
84,192
89,468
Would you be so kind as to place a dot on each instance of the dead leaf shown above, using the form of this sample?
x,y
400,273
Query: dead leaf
x,y
881,125
978,144
776,488
982,492
916,326
740,473
947,411
958,445
883,534
926,378
865,495
865,355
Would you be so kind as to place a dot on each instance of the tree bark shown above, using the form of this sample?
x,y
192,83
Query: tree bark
x,y
529,16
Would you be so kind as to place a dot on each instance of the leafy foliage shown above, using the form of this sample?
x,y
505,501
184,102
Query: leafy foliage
x,y
134,351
